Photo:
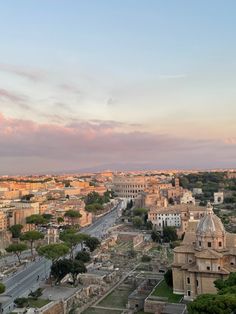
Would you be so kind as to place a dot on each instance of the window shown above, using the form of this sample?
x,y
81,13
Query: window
x,y
200,243
209,244
189,293
220,244
190,261
188,280
197,283
208,268
218,267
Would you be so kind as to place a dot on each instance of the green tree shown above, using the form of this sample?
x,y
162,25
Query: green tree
x,y
17,249
21,302
169,234
156,236
73,216
72,239
60,220
60,269
92,243
76,267
16,230
36,219
31,237
94,208
169,278
53,251
47,217
93,198
140,212
213,304
137,221
2,288
83,256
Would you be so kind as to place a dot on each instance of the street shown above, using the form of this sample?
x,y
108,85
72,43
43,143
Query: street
x,y
21,283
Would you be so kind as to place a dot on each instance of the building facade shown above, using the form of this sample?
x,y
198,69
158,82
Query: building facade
x,y
207,253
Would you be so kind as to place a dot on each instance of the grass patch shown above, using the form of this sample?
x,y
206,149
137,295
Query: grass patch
x,y
37,303
163,290
117,298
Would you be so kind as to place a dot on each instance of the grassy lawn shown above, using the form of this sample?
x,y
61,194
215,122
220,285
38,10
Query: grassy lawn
x,y
163,290
117,298
92,310
37,303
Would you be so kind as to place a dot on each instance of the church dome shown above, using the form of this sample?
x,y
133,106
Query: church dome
x,y
210,224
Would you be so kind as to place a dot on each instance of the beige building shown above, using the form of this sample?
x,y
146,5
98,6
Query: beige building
x,y
129,187
207,253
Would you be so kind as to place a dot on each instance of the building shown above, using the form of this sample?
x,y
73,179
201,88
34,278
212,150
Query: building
x,y
177,216
197,191
129,187
187,198
207,253
165,217
218,198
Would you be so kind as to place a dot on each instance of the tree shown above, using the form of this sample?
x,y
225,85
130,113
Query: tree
x,y
83,256
156,236
73,216
60,269
17,249
47,217
16,230
137,221
36,219
94,207
72,239
60,220
92,243
140,212
2,288
31,237
169,234
213,304
224,302
93,197
21,302
77,267
169,278
53,251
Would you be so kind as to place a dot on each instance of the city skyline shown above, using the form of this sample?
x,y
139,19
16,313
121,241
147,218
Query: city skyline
x,y
96,85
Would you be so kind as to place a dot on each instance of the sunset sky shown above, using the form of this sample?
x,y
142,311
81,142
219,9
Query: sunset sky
x,y
118,84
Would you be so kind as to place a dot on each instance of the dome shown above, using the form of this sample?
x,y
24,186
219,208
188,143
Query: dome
x,y
210,224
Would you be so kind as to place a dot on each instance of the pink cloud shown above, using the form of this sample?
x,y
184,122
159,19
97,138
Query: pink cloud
x,y
103,144
30,74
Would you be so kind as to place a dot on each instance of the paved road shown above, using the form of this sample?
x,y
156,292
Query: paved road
x,y
25,280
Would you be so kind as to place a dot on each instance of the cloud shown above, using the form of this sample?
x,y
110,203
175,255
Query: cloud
x,y
30,74
95,143
69,88
12,96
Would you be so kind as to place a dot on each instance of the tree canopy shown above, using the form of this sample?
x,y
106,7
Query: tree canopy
x,y
31,237
53,251
36,219
16,230
92,243
224,302
17,249
2,288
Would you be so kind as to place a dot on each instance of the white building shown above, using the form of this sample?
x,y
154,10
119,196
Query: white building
x,y
165,217
218,198
187,198
197,191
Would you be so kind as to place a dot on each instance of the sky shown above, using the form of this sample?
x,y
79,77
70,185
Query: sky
x,y
108,84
